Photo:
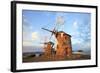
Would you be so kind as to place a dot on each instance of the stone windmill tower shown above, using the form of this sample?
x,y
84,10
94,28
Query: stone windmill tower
x,y
64,47
48,46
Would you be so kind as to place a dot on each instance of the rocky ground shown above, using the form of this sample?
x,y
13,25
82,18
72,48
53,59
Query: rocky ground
x,y
44,58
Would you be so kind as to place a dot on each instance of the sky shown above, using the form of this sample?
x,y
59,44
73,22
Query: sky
x,y
76,24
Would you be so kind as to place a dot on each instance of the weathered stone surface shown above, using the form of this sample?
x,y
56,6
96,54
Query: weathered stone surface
x,y
64,47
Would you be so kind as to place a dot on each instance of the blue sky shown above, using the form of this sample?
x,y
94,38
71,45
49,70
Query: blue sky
x,y
74,23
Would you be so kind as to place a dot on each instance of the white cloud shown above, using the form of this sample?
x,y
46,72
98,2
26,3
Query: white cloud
x,y
26,36
75,25
27,43
77,34
30,37
35,36
27,26
87,45
81,36
76,41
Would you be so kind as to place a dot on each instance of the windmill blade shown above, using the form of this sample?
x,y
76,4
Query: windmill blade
x,y
44,43
41,43
60,20
52,33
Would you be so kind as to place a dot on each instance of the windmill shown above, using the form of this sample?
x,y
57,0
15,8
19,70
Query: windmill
x,y
58,24
48,46
63,40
